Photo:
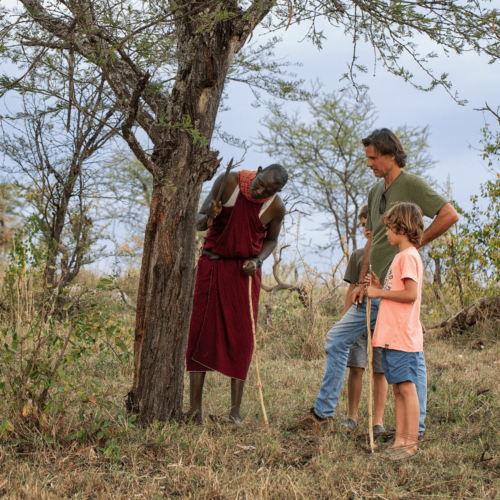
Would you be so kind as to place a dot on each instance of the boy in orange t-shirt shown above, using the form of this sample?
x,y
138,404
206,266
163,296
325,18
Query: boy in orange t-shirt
x,y
398,331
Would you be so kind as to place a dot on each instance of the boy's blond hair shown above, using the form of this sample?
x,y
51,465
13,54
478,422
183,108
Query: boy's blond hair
x,y
406,218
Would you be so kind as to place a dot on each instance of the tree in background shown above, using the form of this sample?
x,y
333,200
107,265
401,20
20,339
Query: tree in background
x,y
132,45
128,187
10,208
471,252
326,159
54,161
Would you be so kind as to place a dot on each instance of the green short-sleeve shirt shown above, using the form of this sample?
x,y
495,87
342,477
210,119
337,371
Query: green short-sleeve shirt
x,y
406,187
354,266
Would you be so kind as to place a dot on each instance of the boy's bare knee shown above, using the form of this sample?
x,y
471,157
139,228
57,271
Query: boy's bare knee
x,y
407,388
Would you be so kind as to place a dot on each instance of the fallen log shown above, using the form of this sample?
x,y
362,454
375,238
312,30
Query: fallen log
x,y
483,308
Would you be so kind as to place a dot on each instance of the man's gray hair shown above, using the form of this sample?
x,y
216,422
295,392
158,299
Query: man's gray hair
x,y
279,172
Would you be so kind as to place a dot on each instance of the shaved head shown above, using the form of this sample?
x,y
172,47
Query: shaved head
x,y
279,173
268,181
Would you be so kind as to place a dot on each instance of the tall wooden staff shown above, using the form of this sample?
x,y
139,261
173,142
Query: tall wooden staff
x,y
370,366
259,383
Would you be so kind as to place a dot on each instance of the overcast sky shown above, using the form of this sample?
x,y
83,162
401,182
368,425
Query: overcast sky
x,y
453,128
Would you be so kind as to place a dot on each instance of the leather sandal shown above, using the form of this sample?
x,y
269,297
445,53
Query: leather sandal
x,y
235,421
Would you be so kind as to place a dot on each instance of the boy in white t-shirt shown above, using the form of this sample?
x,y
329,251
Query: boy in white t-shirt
x,y
398,331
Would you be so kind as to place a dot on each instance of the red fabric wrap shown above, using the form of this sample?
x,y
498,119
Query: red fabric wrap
x,y
220,336
245,178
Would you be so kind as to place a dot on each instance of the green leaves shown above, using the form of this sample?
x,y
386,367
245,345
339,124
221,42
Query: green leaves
x,y
471,251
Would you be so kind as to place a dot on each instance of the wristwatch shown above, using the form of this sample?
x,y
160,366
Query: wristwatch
x,y
259,265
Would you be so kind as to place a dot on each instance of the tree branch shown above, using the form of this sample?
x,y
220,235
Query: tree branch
x,y
133,111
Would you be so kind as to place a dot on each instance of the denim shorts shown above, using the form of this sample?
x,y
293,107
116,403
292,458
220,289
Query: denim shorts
x,y
400,366
358,355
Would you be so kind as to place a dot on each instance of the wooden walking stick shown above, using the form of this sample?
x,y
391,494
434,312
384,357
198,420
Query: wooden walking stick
x,y
259,383
370,366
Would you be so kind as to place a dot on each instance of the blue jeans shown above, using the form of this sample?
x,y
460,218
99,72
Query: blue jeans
x,y
422,391
337,344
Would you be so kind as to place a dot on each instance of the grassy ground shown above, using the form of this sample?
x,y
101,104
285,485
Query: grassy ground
x,y
459,457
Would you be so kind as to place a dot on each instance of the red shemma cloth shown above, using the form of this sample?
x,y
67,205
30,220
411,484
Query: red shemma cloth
x,y
245,178
220,336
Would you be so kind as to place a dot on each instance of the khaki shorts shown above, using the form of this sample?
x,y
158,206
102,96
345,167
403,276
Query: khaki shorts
x,y
358,355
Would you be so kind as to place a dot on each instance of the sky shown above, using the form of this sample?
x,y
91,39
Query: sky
x,y
455,130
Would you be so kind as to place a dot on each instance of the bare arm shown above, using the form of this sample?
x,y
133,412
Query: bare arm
x,y
209,208
348,302
359,292
444,219
270,242
408,295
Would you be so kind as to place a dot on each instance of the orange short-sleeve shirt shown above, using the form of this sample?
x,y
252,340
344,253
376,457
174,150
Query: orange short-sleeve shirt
x,y
398,324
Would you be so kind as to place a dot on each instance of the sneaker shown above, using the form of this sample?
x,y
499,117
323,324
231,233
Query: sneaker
x,y
377,429
310,421
349,423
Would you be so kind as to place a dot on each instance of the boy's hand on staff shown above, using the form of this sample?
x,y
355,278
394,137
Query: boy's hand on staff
x,y
372,292
214,209
250,267
375,283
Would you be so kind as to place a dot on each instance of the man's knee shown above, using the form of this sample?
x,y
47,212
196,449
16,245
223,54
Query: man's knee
x,y
340,337
333,338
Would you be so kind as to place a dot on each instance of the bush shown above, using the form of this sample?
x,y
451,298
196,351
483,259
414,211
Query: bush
x,y
52,345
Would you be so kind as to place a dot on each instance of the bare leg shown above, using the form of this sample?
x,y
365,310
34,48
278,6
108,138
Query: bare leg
x,y
354,385
196,381
236,397
380,397
408,391
400,417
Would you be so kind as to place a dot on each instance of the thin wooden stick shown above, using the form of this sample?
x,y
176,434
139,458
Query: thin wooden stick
x,y
370,366
259,383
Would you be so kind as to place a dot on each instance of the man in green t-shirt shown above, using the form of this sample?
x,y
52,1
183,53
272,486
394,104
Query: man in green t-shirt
x,y
386,158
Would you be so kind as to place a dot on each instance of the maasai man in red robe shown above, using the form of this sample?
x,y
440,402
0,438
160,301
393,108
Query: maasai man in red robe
x,y
245,230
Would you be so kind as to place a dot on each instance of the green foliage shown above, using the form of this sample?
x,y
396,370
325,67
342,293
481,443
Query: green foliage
x,y
326,160
471,252
49,341
257,67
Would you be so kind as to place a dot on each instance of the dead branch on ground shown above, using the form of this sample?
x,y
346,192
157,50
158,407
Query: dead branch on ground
x,y
485,307
304,297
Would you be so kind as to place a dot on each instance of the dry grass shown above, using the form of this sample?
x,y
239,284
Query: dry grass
x,y
459,457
